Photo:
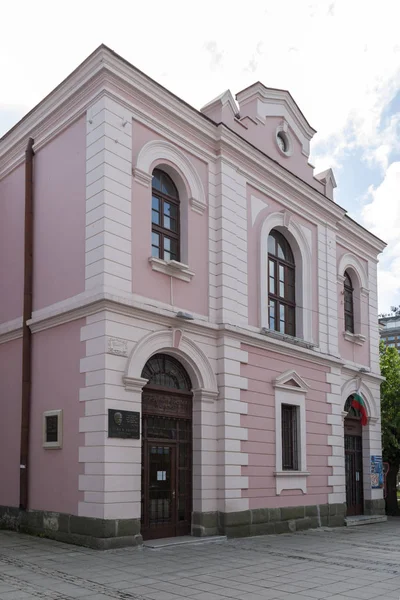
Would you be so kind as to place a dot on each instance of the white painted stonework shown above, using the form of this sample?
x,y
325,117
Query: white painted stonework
x,y
108,196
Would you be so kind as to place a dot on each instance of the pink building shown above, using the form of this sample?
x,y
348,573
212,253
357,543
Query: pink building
x,y
198,313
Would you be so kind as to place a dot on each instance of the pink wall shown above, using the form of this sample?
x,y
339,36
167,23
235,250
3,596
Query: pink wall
x,y
53,481
12,202
59,223
262,368
10,423
263,137
193,295
254,260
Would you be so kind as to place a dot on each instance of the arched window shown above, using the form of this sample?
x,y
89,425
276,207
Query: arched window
x,y
165,239
348,304
281,285
165,371
350,410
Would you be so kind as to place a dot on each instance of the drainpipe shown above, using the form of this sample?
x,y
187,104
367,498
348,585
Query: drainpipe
x,y
26,332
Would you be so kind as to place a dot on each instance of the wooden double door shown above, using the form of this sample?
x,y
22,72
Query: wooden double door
x,y
166,463
354,466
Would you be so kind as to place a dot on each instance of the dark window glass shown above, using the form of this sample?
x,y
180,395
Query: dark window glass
x,y
281,285
52,428
290,450
166,371
348,304
165,217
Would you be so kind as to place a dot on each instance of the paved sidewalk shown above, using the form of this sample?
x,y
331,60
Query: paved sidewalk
x,y
338,564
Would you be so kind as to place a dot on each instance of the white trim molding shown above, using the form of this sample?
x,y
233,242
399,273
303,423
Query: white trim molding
x,y
156,151
290,389
11,330
290,380
357,385
350,261
359,279
355,338
283,129
173,268
278,103
56,445
303,262
291,480
188,353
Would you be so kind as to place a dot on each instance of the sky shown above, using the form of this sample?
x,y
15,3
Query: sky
x,y
340,59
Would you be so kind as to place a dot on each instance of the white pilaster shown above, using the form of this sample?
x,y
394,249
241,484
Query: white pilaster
x,y
331,286
327,291
336,461
373,317
108,250
228,242
204,451
111,482
231,433
322,291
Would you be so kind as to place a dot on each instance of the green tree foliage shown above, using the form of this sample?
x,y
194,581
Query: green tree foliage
x,y
390,412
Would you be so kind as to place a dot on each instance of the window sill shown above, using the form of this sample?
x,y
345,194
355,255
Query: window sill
x,y
172,268
355,338
284,337
291,480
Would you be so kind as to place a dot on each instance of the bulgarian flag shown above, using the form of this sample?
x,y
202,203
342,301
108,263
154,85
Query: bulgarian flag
x,y
359,404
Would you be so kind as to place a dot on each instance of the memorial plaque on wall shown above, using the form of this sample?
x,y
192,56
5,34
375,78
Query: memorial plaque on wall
x,y
123,424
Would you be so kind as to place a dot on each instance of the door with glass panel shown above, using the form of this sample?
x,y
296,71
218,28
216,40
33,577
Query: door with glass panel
x,y
166,450
353,464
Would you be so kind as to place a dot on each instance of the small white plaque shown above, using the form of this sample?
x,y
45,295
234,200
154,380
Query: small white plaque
x,y
117,346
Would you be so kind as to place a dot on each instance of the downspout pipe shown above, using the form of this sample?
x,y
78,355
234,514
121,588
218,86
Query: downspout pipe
x,y
26,332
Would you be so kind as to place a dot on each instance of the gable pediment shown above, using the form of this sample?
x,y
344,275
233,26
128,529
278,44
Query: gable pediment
x,y
291,381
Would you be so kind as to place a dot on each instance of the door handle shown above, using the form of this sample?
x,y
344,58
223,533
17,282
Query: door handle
x,y
173,494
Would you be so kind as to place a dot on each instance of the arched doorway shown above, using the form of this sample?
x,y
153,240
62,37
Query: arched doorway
x,y
166,502
353,460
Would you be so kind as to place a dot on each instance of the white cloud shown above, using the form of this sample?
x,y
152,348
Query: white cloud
x,y
339,59
382,216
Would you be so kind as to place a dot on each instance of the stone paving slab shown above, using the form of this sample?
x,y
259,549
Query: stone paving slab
x,y
325,564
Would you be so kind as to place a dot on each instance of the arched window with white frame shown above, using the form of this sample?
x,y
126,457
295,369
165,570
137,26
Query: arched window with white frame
x,y
348,303
281,285
165,217
286,289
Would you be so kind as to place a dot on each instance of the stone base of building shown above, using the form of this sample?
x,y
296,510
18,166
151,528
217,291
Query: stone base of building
x,y
104,534
264,521
374,507
101,534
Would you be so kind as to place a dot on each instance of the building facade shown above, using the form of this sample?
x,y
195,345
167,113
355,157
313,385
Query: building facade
x,y
184,317
390,331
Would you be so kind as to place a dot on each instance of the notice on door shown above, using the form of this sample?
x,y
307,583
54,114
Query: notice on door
x,y
376,472
161,475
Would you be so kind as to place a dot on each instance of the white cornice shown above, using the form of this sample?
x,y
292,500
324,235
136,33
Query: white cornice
x,y
104,71
276,96
131,305
365,239
11,330
222,100
326,176
270,178
70,99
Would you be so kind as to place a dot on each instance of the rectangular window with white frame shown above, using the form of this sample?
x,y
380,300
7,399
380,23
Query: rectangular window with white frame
x,y
290,421
52,429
